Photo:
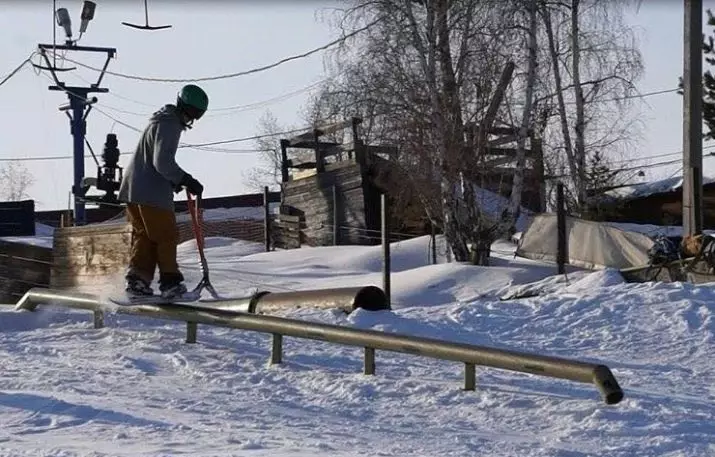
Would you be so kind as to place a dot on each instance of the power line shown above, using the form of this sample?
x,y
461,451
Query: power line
x,y
230,75
19,67
653,157
641,167
248,138
229,110
203,146
237,108
647,94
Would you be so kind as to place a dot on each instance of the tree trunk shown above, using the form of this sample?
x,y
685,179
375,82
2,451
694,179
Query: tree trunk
x,y
568,146
580,126
452,136
518,180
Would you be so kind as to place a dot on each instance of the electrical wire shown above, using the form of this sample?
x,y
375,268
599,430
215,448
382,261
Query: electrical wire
x,y
634,168
634,159
215,112
230,75
19,67
206,146
230,110
203,146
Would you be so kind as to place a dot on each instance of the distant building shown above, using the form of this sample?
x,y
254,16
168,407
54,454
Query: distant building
x,y
657,202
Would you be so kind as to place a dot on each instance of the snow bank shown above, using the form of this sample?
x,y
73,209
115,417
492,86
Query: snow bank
x,y
135,388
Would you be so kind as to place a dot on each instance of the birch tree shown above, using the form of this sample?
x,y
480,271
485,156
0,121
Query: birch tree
x,y
427,70
595,64
15,181
526,117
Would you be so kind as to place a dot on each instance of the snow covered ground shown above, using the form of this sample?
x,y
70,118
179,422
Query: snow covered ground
x,y
135,389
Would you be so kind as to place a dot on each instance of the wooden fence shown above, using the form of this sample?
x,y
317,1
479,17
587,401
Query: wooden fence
x,y
22,267
285,231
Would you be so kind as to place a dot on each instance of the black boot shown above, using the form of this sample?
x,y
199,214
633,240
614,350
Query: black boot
x,y
171,285
137,287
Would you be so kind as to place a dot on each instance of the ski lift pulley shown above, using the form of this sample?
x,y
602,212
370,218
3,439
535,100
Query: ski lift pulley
x,y
146,25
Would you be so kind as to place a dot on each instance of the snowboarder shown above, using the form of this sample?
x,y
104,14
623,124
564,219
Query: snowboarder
x,y
147,188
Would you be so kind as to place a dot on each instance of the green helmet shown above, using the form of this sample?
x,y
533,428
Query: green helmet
x,y
193,101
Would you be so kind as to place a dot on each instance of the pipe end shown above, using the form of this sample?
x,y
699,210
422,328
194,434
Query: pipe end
x,y
608,386
371,298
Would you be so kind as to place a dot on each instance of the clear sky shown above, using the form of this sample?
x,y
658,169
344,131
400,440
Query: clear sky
x,y
218,37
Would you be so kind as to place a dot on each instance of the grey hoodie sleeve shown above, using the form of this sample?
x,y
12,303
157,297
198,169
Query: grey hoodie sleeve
x,y
166,142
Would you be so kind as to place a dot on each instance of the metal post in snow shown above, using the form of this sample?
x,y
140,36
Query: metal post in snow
x,y
336,217
385,248
433,243
562,245
266,219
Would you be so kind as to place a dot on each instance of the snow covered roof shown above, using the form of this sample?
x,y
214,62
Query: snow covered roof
x,y
650,188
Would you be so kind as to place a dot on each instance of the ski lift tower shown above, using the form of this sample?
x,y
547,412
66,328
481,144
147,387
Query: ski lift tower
x,y
79,103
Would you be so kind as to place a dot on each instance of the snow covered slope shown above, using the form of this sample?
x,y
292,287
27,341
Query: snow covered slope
x,y
135,389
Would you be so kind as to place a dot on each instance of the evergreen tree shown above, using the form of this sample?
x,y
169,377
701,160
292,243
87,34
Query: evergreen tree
x,y
599,176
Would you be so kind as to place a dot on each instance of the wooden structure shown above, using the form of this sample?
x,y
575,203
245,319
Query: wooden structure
x,y
17,218
658,208
335,192
337,188
285,231
22,267
497,164
90,255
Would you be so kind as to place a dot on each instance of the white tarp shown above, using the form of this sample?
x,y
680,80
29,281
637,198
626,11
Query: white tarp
x,y
590,244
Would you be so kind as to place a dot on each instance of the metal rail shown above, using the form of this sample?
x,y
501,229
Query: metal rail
x,y
370,340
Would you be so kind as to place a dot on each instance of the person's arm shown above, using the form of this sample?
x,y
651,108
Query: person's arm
x,y
166,142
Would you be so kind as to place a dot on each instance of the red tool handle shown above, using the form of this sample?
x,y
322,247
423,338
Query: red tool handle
x,y
196,222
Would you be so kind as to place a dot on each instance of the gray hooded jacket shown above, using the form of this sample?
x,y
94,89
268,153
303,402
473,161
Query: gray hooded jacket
x,y
153,174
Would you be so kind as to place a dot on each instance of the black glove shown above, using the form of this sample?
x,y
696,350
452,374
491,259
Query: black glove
x,y
192,185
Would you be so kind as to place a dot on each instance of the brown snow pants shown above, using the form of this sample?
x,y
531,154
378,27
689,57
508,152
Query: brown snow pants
x,y
154,239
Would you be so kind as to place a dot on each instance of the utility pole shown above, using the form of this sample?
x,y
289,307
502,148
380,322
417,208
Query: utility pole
x,y
79,105
692,119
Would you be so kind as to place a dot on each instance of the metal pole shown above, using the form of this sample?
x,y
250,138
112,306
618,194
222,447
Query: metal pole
x,y
266,219
385,248
562,245
692,119
433,246
78,128
284,160
336,216
555,367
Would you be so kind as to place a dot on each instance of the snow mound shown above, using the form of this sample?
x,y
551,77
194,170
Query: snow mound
x,y
592,282
134,388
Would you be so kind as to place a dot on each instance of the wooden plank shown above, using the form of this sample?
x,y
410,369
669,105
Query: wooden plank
x,y
98,258
93,243
288,218
79,273
94,229
79,281
11,290
35,275
337,174
23,263
287,226
25,251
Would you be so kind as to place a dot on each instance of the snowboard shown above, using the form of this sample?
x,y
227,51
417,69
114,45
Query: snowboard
x,y
190,298
187,298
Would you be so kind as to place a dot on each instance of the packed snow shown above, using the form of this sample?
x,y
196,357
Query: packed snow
x,y
134,388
